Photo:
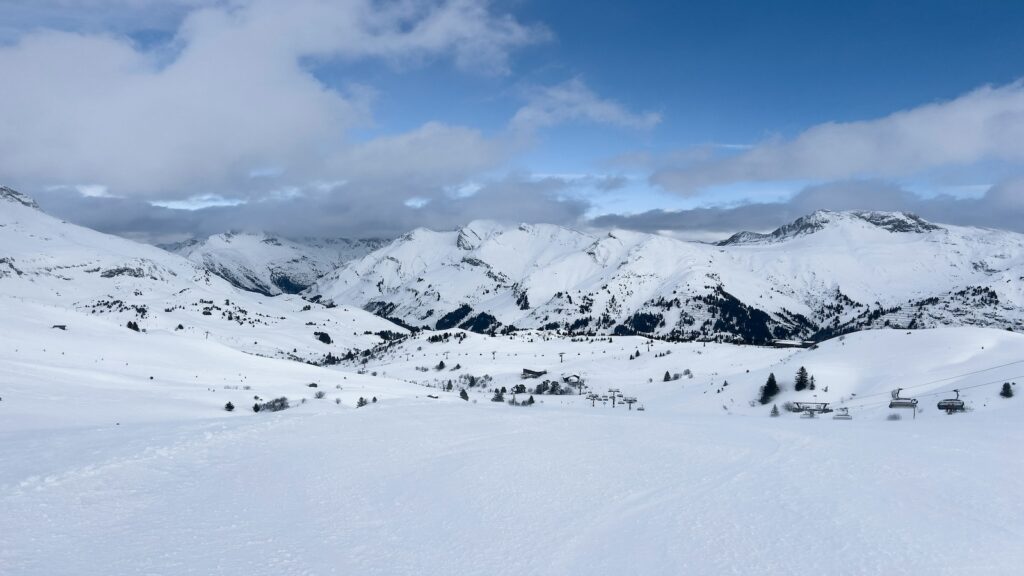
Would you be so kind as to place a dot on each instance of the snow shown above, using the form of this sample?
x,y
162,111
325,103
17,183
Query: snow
x,y
117,457
269,264
834,269
489,489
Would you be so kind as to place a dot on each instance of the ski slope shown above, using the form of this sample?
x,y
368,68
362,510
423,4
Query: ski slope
x,y
117,456
104,471
463,488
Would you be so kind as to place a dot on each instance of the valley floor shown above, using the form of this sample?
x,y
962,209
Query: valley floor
x,y
489,489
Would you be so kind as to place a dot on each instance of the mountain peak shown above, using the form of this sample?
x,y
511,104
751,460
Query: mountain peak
x,y
893,222
12,195
476,232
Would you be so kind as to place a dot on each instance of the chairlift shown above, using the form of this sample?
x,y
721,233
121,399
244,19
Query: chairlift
x,y
901,402
811,409
951,405
842,414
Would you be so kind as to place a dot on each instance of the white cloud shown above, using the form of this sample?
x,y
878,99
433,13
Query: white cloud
x,y
986,124
198,202
573,101
236,97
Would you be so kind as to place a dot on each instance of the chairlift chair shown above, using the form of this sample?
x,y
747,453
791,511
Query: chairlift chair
x,y
842,414
951,405
901,402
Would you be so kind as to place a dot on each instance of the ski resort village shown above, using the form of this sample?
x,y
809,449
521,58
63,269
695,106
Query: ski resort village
x,y
490,288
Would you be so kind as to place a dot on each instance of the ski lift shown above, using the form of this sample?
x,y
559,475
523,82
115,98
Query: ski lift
x,y
640,408
951,405
901,402
842,414
810,409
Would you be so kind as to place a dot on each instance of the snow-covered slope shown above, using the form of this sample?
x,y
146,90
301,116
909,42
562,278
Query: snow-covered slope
x,y
106,471
117,455
46,261
824,274
270,264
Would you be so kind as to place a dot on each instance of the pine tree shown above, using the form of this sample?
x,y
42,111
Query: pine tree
x,y
530,400
812,385
229,407
801,379
769,390
775,410
463,394
668,377
1007,391
440,365
361,402
256,407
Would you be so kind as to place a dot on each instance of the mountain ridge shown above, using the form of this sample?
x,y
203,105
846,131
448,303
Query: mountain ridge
x,y
825,273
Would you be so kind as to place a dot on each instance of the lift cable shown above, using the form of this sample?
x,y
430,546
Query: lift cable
x,y
934,393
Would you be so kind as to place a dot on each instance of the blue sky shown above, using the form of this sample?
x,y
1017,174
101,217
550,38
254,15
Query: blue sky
x,y
639,112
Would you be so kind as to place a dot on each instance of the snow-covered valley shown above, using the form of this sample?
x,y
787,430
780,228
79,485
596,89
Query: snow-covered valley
x,y
117,455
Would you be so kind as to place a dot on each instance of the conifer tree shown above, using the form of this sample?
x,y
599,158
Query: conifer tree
x,y
775,410
769,390
463,394
668,377
1007,391
802,379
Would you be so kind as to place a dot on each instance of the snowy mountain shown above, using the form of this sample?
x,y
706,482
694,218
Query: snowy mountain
x,y
44,261
151,451
824,274
269,264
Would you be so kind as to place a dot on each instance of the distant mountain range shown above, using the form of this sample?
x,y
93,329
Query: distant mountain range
x,y
49,262
824,274
270,264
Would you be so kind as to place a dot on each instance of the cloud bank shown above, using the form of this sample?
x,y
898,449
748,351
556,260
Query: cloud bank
x,y
983,125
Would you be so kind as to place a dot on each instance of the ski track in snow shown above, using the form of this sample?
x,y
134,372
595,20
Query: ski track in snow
x,y
403,490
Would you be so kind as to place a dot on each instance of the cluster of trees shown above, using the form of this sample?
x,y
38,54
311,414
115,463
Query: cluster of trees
x,y
528,402
469,381
132,325
551,387
803,381
769,390
275,405
441,366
